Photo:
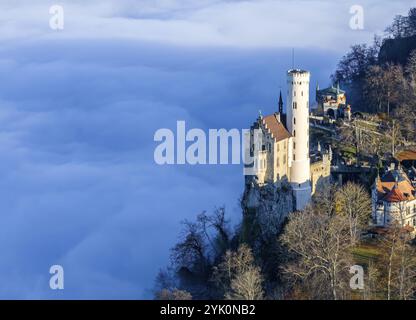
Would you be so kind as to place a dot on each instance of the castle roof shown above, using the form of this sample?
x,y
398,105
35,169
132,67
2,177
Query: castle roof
x,y
395,186
273,124
395,195
295,71
330,91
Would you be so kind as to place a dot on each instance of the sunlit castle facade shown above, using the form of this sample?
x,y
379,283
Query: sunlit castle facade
x,y
282,155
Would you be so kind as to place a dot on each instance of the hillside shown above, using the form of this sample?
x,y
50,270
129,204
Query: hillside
x,y
397,51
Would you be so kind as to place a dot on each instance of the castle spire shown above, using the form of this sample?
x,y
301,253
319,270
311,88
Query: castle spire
x,y
280,103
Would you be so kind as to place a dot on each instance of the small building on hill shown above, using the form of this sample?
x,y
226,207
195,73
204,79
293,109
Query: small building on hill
x,y
394,199
332,102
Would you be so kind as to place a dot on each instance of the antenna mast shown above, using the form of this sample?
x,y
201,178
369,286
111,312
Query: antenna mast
x,y
293,58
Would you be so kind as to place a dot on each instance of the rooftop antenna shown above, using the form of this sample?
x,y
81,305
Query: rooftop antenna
x,y
293,58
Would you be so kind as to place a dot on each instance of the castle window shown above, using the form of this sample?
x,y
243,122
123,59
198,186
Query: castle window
x,y
294,120
294,133
278,162
284,159
270,146
294,157
263,147
294,145
302,93
294,93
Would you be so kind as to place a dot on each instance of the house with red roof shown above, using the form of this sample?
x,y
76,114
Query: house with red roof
x,y
394,199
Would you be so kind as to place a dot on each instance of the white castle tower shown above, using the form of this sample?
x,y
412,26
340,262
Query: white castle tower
x,y
297,123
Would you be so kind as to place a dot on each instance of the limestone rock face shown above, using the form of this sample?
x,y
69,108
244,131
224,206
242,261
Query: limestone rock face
x,y
269,205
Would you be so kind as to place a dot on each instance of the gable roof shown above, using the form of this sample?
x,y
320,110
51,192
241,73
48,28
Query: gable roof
x,y
395,195
275,127
395,186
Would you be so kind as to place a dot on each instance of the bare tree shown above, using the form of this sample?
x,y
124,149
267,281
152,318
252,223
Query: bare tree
x,y
320,243
383,86
399,262
354,202
246,285
238,277
175,294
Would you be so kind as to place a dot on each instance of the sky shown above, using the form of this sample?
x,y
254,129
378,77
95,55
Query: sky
x,y
79,107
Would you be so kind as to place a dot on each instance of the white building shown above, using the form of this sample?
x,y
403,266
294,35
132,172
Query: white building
x,y
393,199
281,154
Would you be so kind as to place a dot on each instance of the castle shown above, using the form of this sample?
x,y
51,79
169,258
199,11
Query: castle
x,y
280,145
332,102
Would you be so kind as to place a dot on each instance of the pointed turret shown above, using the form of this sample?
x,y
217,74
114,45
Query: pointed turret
x,y
280,103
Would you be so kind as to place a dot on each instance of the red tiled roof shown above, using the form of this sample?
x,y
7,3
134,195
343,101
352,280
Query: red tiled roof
x,y
395,195
276,128
387,183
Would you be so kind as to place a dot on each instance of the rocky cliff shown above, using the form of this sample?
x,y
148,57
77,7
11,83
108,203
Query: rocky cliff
x,y
265,208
